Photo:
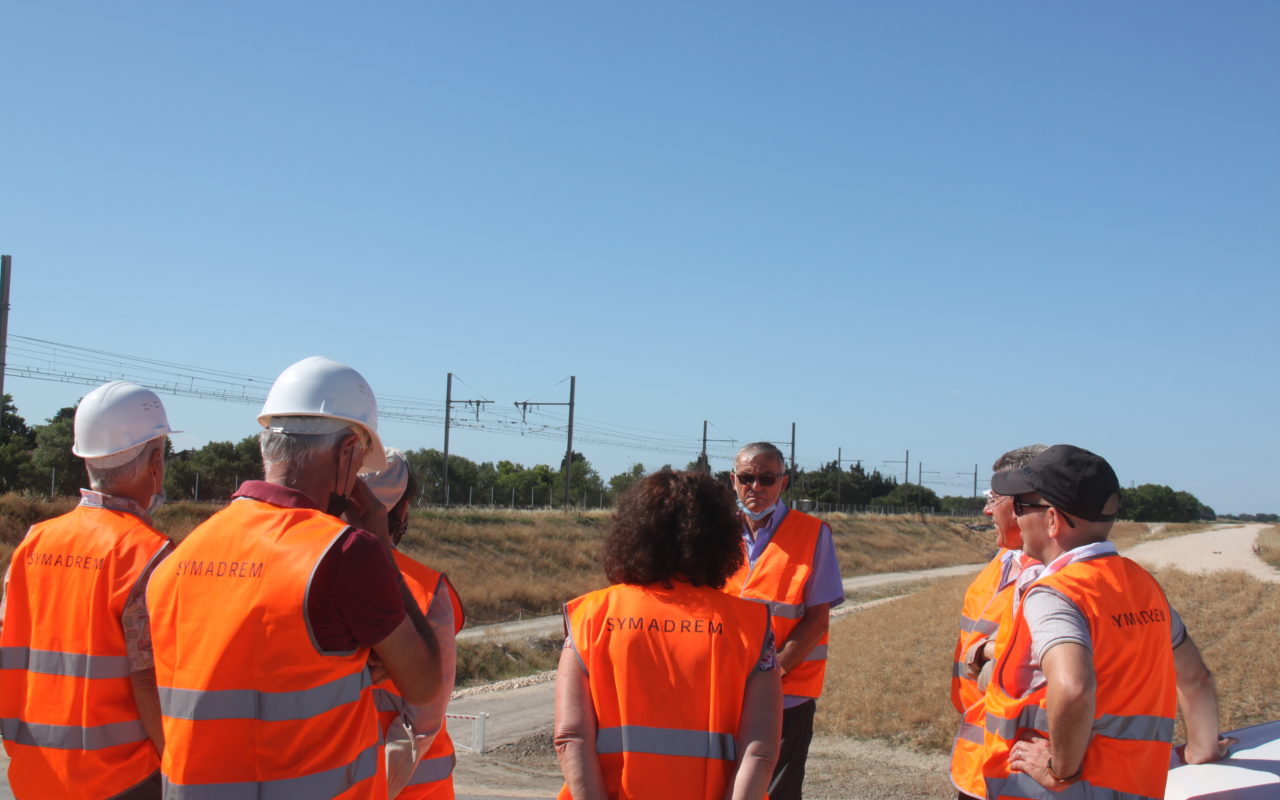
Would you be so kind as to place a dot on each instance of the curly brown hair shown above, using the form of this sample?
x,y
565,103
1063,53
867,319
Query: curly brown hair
x,y
674,526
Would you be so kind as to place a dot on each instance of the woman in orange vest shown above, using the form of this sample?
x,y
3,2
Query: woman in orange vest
x,y
419,751
668,687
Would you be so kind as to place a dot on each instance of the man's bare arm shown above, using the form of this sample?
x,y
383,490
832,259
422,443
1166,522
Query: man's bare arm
x,y
1198,699
1070,701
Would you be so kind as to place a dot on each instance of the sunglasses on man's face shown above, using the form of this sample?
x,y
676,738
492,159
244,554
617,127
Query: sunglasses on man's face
x,y
748,479
1021,507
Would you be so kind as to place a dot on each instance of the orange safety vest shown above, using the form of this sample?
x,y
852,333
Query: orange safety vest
x,y
433,777
666,669
250,704
985,605
1128,755
778,579
71,726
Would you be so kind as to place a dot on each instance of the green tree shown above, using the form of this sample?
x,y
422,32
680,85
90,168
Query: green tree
x,y
214,471
17,441
625,480
54,463
908,495
1153,502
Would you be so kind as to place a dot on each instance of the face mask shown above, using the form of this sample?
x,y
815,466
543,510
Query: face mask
x,y
754,516
158,499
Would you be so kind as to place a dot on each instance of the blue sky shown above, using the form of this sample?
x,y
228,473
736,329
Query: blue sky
x,y
953,228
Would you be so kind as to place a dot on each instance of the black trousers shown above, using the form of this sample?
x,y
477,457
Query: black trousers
x,y
797,732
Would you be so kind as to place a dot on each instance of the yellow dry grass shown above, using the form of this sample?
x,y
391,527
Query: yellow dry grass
x,y
1269,546
889,673
869,544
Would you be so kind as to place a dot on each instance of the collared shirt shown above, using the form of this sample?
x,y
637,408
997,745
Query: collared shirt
x,y
134,619
354,598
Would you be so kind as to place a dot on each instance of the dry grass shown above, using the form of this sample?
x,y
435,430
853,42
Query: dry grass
x,y
1269,546
485,662
866,545
889,674
508,564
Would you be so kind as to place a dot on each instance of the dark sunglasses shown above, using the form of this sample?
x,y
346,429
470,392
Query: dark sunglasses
x,y
1020,507
763,480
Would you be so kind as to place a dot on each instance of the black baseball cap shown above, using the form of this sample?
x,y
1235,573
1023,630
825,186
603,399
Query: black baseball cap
x,y
1067,477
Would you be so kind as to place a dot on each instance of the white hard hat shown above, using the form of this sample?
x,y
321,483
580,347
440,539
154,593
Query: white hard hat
x,y
115,421
317,391
388,484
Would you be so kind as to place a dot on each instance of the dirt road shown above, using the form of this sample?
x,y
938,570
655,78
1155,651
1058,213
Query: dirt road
x,y
1224,548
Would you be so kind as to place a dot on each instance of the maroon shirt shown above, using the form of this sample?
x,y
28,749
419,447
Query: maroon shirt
x,y
354,600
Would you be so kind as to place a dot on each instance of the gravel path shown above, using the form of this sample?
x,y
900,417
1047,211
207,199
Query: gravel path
x,y
1224,548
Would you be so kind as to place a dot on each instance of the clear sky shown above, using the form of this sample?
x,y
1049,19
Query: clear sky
x,y
944,227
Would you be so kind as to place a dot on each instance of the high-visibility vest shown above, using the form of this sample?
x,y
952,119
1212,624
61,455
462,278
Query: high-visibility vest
x,y
250,704
433,777
666,669
71,726
985,605
1128,754
778,579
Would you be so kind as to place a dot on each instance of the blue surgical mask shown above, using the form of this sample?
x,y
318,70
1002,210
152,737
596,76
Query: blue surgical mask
x,y
158,499
754,516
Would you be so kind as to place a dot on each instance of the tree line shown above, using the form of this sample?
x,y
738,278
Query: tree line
x,y
37,459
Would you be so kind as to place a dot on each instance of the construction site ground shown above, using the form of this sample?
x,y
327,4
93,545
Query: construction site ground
x,y
518,761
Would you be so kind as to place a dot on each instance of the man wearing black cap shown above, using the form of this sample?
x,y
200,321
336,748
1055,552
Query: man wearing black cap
x,y
1084,689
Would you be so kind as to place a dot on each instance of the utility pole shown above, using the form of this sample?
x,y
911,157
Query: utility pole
x,y
568,452
6,266
793,448
448,408
703,459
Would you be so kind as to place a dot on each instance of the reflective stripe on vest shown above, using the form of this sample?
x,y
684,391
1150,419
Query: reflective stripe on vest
x,y
72,665
987,627
1138,727
970,733
1019,784
329,783
666,742
431,770
194,704
818,653
71,737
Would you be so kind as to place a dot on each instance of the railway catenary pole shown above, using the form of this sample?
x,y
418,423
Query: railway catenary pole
x,y
448,409
6,266
448,406
568,453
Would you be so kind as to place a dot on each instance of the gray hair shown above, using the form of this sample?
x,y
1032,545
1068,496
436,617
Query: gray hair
x,y
298,450
109,479
1018,457
762,448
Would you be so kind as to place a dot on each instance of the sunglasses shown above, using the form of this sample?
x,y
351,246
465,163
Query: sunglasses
x,y
748,479
1020,507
